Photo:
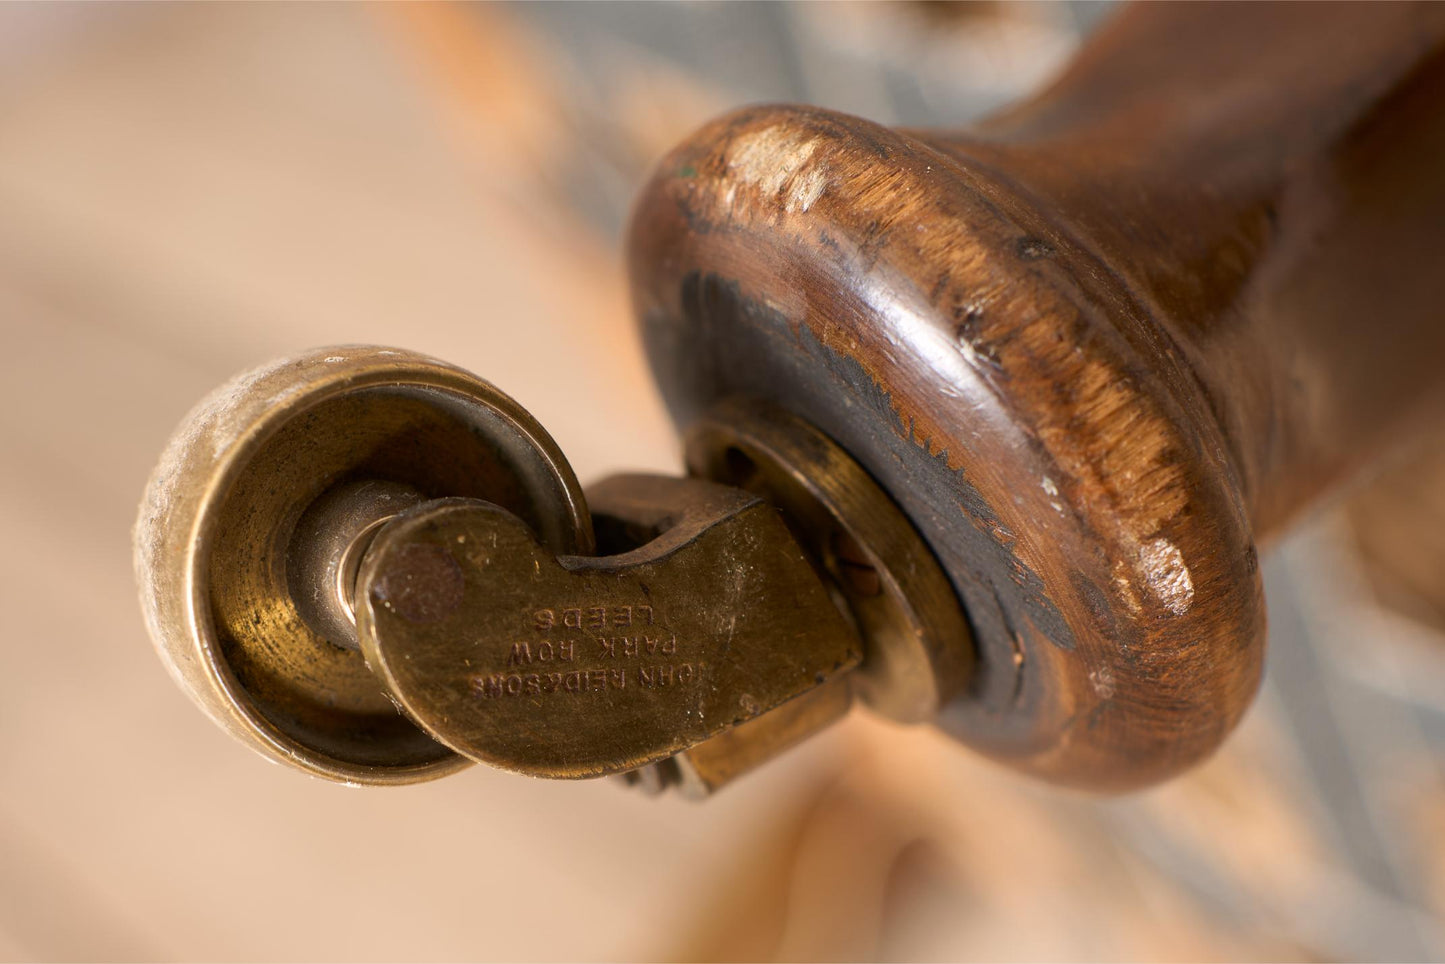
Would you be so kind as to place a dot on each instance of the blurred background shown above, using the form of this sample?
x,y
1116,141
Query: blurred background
x,y
186,191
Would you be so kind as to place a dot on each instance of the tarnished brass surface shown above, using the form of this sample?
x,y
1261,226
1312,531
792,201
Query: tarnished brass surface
x,y
706,768
920,650
324,556
216,529
581,667
376,567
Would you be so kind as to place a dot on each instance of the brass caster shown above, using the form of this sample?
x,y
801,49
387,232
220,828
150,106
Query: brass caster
x,y
376,568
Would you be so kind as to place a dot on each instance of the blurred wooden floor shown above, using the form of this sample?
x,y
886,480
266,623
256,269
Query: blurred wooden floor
x,y
186,191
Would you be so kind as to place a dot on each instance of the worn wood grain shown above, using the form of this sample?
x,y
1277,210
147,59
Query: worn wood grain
x,y
1097,348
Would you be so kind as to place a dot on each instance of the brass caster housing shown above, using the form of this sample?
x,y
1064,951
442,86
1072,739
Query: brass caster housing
x,y
377,568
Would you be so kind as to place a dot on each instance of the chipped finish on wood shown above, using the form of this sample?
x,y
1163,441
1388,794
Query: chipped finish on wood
x,y
1095,348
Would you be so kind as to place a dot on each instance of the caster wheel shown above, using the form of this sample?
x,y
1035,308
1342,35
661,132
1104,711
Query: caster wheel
x,y
226,540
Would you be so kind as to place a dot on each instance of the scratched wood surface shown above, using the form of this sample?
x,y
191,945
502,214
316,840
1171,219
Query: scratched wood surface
x,y
186,191
1063,344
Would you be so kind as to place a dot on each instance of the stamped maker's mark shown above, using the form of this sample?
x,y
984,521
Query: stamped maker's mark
x,y
575,641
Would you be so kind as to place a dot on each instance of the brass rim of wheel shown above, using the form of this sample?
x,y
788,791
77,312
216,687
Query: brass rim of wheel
x,y
219,514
